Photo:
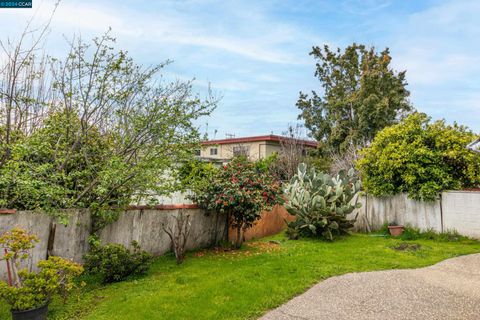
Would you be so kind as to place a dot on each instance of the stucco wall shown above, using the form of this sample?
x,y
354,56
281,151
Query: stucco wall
x,y
257,150
271,148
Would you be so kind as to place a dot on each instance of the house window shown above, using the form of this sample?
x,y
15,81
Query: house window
x,y
197,152
213,151
241,151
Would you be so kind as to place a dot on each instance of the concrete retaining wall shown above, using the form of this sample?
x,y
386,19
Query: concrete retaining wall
x,y
36,223
455,210
144,226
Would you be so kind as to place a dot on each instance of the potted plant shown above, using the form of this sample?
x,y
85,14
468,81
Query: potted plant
x,y
395,229
29,293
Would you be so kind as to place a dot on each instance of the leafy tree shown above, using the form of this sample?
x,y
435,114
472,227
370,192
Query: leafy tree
x,y
108,130
23,85
242,192
362,94
421,158
32,177
195,173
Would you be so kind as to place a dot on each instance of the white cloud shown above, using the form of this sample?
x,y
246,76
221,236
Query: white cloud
x,y
254,51
439,45
257,37
439,48
425,67
364,7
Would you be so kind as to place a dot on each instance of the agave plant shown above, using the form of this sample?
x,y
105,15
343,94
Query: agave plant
x,y
320,203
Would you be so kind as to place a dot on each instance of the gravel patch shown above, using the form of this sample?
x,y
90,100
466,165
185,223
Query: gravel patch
x,y
447,290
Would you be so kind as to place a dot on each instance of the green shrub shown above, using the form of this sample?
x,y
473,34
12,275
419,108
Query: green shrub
x,y
419,158
194,174
114,262
412,233
320,203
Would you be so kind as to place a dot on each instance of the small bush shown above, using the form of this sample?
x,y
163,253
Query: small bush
x,y
114,262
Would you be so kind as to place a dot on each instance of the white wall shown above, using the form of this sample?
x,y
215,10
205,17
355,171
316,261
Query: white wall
x,y
455,210
461,212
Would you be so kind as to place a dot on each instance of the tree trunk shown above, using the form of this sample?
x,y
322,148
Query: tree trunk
x,y
215,236
227,227
239,239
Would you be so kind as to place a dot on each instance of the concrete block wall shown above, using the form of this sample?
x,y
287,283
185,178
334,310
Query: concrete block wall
x,y
461,212
455,210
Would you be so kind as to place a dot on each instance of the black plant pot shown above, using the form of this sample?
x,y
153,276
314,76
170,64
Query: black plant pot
x,y
32,314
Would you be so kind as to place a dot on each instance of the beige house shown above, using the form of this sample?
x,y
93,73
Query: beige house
x,y
254,148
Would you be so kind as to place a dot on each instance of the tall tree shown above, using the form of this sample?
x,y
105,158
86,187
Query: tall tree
x,y
105,132
23,84
362,94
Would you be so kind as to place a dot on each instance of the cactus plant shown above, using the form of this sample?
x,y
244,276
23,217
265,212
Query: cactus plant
x,y
321,203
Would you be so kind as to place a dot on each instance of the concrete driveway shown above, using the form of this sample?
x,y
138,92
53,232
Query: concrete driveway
x,y
447,290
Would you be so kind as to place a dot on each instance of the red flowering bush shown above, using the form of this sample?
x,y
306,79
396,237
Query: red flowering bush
x,y
241,191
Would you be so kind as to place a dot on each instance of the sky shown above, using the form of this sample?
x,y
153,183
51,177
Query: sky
x,y
255,54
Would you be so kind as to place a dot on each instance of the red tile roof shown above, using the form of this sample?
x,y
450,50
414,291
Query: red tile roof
x,y
271,137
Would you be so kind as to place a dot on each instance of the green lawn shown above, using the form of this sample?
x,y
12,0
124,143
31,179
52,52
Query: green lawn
x,y
245,284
